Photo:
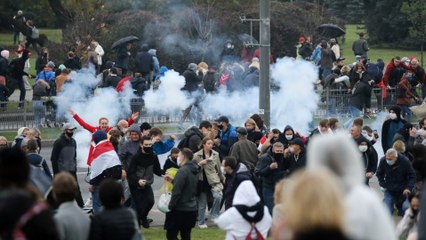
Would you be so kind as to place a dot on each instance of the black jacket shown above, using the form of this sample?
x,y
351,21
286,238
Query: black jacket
x,y
297,162
170,163
398,177
185,188
112,81
3,66
370,159
41,63
73,63
271,176
306,50
387,139
38,161
64,155
191,81
361,95
144,61
241,173
143,166
114,224
17,65
193,138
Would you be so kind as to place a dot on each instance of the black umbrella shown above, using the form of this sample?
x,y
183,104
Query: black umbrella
x,y
128,39
247,39
330,30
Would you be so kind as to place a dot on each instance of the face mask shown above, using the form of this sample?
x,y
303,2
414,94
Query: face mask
x,y
292,150
178,160
410,78
363,148
278,155
220,127
288,137
390,163
229,45
392,116
147,149
250,130
124,130
69,134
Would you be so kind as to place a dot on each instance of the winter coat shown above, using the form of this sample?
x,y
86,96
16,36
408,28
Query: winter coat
x,y
3,66
227,139
306,50
191,81
127,151
156,64
366,216
251,79
408,224
271,176
404,92
144,61
245,151
122,58
113,224
360,46
193,137
212,170
254,136
398,177
170,163
40,89
64,155
327,56
143,166
235,225
185,188
47,75
41,62
389,129
393,74
370,159
241,173
4,93
17,65
361,95
112,81
297,162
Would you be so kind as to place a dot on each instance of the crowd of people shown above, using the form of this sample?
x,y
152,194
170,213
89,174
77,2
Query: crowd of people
x,y
252,182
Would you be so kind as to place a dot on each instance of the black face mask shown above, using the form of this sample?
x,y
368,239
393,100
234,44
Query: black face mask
x,y
250,130
69,134
278,156
415,212
147,149
220,127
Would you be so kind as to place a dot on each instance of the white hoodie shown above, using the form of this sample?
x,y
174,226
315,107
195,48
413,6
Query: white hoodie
x,y
231,220
366,216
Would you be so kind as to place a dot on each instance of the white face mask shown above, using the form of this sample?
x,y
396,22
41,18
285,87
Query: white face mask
x,y
390,163
179,161
392,116
289,137
363,148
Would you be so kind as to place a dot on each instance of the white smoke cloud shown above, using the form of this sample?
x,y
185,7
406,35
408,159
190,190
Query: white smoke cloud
x,y
296,101
106,102
168,98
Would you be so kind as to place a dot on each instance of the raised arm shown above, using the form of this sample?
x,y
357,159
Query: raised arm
x,y
82,123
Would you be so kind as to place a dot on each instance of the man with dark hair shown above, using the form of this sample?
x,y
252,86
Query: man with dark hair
x,y
64,156
145,64
114,222
227,136
235,173
145,127
360,46
71,221
194,136
36,159
161,147
393,72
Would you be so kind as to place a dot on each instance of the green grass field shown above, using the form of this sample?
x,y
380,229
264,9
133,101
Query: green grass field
x,y
374,53
158,233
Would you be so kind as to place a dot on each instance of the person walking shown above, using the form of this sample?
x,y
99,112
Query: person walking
x,y
183,203
64,156
360,46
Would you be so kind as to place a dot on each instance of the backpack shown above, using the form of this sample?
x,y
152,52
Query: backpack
x,y
252,220
257,233
35,34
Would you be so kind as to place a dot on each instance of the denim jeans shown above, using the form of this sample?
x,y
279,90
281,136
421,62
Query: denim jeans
x,y
268,196
390,200
406,112
96,201
39,112
355,113
202,203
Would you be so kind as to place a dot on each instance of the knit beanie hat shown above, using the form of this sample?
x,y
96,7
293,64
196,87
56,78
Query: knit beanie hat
x,y
99,136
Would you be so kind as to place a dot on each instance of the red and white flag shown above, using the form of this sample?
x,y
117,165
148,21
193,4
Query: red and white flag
x,y
104,158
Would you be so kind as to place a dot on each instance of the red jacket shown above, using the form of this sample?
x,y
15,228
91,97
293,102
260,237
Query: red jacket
x,y
388,71
93,129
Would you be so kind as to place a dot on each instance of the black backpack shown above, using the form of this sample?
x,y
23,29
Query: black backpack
x,y
184,143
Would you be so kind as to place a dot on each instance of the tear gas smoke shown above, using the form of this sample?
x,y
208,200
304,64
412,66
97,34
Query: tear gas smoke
x,y
106,102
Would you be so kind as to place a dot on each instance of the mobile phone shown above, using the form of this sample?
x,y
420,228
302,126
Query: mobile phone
x,y
376,134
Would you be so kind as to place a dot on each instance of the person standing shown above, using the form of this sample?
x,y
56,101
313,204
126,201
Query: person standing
x,y
16,73
32,36
245,151
64,156
123,56
360,46
227,136
306,49
71,221
327,59
144,164
404,94
183,203
391,126
210,181
99,54
145,64
17,34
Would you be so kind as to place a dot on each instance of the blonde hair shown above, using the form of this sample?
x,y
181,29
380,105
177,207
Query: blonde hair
x,y
279,190
399,146
313,200
251,122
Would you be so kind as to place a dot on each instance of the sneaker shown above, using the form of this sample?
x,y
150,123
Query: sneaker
x,y
202,225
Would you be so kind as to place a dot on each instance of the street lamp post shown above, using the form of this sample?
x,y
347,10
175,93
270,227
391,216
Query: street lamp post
x,y
264,86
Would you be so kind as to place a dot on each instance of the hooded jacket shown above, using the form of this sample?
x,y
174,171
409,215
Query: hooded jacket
x,y
193,137
144,61
143,166
390,128
64,155
366,217
235,225
271,176
17,65
241,173
185,188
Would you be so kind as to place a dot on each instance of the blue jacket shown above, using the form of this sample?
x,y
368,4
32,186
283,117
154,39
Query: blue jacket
x,y
163,147
48,76
227,139
398,177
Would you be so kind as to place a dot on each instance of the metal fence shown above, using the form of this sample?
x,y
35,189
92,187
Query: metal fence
x,y
333,102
